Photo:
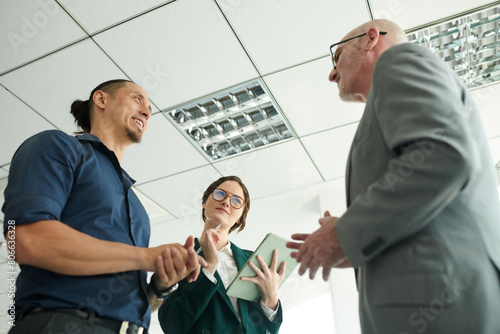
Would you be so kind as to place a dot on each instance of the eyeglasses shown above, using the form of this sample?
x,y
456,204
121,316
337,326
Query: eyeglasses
x,y
345,41
236,201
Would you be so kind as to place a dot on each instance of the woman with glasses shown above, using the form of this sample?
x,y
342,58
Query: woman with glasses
x,y
203,306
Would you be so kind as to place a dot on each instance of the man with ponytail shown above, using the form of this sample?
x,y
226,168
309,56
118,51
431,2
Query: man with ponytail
x,y
81,234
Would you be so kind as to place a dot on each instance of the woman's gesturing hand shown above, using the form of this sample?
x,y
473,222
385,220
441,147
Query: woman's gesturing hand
x,y
207,242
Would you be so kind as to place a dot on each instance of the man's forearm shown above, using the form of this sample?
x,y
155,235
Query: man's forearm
x,y
55,246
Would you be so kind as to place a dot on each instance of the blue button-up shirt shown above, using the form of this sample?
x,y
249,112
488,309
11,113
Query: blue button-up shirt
x,y
78,181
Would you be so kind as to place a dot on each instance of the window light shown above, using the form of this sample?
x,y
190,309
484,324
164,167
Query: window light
x,y
232,121
470,44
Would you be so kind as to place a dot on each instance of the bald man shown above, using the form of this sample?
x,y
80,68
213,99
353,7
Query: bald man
x,y
423,220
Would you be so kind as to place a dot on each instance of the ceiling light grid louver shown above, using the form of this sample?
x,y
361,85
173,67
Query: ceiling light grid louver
x,y
232,121
469,44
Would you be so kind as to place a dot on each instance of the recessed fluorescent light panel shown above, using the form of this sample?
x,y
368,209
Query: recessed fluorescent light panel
x,y
232,121
470,44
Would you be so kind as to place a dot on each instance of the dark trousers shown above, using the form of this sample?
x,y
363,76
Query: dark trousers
x,y
56,322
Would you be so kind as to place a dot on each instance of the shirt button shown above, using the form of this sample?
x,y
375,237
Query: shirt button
x,y
267,331
205,331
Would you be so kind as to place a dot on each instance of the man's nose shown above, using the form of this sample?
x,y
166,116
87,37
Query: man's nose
x,y
146,113
333,74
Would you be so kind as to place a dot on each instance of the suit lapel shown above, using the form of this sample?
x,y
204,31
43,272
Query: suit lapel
x,y
221,290
240,258
348,177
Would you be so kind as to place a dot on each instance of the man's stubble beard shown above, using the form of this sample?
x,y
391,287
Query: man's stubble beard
x,y
133,136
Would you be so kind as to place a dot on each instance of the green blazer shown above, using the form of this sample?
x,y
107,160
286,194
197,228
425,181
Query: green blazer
x,y
205,308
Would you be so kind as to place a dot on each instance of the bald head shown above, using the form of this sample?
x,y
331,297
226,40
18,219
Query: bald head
x,y
355,57
395,35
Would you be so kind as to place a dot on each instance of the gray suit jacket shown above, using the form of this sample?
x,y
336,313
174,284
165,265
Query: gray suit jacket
x,y
423,218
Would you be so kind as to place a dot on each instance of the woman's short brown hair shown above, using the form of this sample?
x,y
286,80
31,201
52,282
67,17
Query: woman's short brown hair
x,y
240,224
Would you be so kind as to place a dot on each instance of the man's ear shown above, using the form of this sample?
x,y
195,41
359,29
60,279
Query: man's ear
x,y
100,98
373,35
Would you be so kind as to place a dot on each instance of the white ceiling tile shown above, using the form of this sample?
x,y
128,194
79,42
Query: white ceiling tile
x,y
272,170
410,14
311,102
3,173
179,52
95,15
181,194
155,212
488,101
51,84
23,123
281,33
163,151
33,28
329,150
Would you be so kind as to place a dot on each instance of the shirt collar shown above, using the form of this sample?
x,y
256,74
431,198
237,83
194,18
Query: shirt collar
x,y
227,248
94,140
89,137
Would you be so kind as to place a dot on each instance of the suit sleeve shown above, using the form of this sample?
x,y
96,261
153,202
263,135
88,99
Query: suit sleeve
x,y
420,109
258,320
180,311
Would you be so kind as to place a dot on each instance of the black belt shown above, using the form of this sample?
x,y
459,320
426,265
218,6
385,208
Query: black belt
x,y
121,327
